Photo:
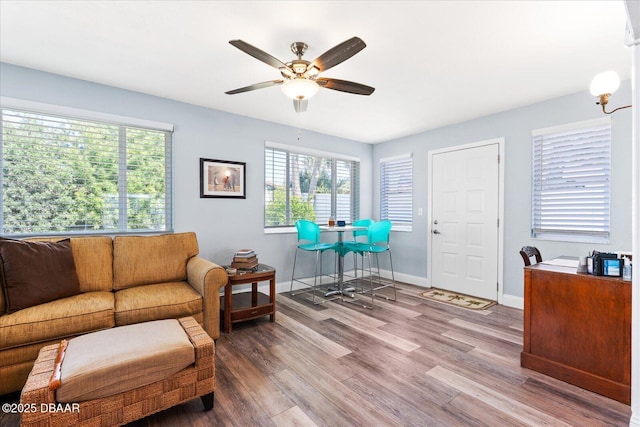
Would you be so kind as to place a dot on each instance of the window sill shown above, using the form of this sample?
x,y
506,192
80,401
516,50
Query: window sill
x,y
574,239
280,230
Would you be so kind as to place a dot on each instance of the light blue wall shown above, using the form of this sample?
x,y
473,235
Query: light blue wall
x,y
222,225
516,126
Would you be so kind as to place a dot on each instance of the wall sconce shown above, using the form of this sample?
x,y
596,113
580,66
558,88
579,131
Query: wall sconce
x,y
602,86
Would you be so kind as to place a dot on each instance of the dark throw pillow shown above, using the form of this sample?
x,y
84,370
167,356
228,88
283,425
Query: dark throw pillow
x,y
36,272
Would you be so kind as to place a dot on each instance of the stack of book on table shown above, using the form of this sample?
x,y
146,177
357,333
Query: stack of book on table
x,y
245,259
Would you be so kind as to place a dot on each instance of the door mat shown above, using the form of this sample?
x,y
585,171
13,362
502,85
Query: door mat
x,y
456,299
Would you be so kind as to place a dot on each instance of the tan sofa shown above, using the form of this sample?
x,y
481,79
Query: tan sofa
x,y
123,280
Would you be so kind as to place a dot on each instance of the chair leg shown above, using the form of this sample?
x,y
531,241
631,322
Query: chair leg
x,y
362,270
393,279
355,264
293,273
370,279
355,269
315,275
315,285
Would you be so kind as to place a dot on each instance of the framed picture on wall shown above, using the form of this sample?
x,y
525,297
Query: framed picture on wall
x,y
222,178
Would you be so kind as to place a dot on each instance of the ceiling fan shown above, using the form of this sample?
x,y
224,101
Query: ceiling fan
x,y
300,77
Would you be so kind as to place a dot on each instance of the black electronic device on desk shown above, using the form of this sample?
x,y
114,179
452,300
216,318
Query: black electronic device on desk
x,y
605,264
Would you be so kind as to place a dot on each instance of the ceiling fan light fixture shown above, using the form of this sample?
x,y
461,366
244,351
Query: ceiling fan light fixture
x,y
299,88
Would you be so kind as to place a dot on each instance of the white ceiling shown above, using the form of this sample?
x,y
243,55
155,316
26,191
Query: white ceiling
x,y
432,63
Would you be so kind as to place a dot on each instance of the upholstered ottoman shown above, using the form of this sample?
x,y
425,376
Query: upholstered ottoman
x,y
118,375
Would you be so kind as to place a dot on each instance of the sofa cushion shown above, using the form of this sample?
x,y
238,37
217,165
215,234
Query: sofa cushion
x,y
93,256
16,363
142,260
14,376
36,272
159,301
116,360
79,314
24,353
3,306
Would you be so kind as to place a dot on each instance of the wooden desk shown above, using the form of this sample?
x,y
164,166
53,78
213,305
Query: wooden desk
x,y
249,305
577,328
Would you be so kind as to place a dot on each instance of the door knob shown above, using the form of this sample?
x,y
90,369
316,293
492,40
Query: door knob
x,y
435,232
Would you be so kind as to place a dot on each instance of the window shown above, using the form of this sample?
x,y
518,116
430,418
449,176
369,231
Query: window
x,y
571,181
396,190
307,184
72,175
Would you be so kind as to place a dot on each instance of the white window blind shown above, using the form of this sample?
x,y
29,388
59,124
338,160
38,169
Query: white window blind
x,y
396,190
571,181
76,175
309,185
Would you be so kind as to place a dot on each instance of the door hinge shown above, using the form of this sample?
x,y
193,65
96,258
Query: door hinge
x,y
497,287
498,222
498,158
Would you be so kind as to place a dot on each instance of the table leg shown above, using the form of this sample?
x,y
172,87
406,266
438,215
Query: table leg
x,y
272,298
341,290
227,307
254,294
348,290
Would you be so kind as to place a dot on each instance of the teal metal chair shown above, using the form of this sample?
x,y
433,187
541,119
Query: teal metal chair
x,y
378,235
309,241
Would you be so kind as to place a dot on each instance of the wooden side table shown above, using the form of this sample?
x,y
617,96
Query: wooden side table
x,y
252,304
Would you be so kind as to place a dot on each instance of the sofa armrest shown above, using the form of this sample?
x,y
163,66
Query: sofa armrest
x,y
207,278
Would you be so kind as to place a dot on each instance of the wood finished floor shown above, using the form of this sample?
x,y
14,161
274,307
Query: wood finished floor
x,y
407,363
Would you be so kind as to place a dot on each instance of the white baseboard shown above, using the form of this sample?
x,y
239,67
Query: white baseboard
x,y
507,300
635,420
349,274
513,301
406,278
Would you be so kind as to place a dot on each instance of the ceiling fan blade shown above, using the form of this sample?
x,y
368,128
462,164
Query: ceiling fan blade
x,y
258,54
345,86
339,53
254,87
300,105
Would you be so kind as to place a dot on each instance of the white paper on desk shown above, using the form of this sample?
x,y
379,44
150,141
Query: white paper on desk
x,y
564,262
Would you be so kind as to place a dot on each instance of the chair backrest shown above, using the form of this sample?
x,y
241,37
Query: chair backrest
x,y
308,231
530,251
378,232
361,223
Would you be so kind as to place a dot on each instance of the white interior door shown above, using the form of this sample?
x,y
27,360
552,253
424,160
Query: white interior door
x,y
464,216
